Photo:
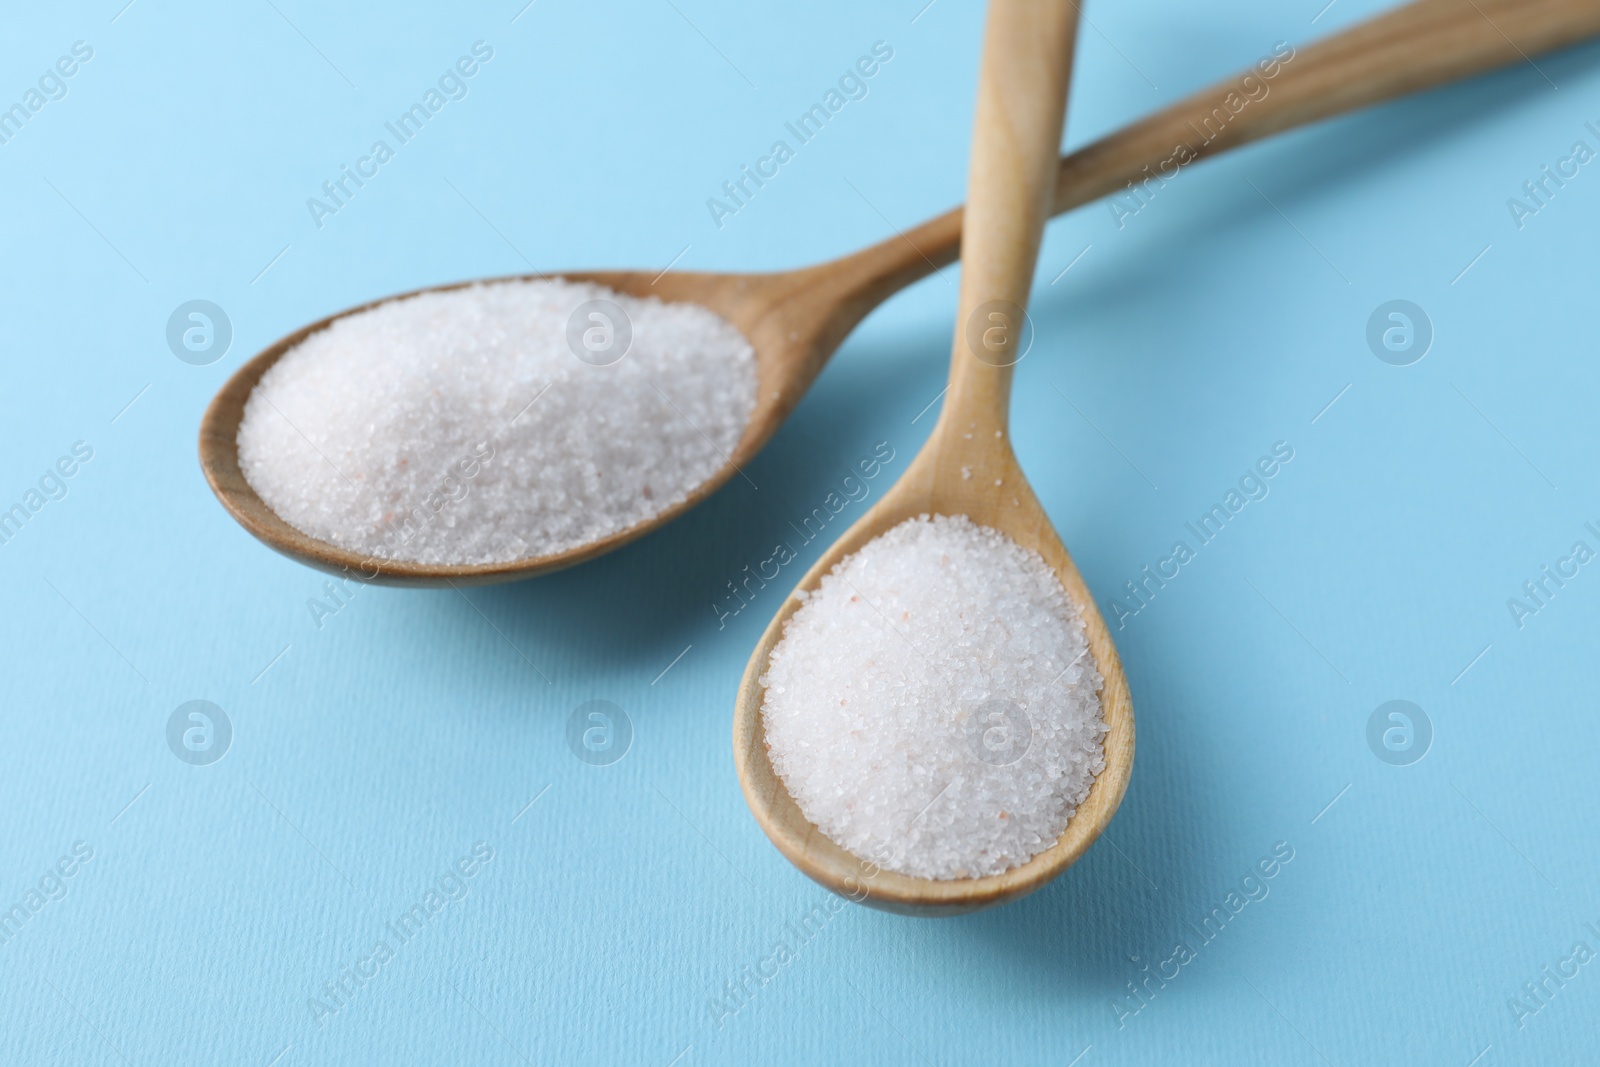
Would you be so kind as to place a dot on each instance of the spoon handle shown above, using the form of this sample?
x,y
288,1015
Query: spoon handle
x,y
1016,138
1420,46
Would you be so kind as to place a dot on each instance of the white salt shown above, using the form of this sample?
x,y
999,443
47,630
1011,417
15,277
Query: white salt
x,y
466,427
933,706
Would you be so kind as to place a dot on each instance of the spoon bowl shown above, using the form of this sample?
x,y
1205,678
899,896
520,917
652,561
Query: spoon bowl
x,y
1012,508
793,321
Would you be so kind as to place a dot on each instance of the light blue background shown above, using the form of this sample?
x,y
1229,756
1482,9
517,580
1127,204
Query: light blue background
x,y
381,746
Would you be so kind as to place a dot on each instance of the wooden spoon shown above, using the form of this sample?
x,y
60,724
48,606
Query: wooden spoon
x,y
796,319
967,466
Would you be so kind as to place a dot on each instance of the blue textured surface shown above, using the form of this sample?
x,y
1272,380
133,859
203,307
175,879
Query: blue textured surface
x,y
372,752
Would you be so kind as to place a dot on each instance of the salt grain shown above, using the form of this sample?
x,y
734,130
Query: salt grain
x,y
460,427
933,706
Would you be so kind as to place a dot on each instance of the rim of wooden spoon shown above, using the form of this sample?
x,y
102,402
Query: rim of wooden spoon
x,y
816,854
790,347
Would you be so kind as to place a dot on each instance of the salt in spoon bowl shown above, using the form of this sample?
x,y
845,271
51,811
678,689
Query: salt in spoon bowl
x,y
795,320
